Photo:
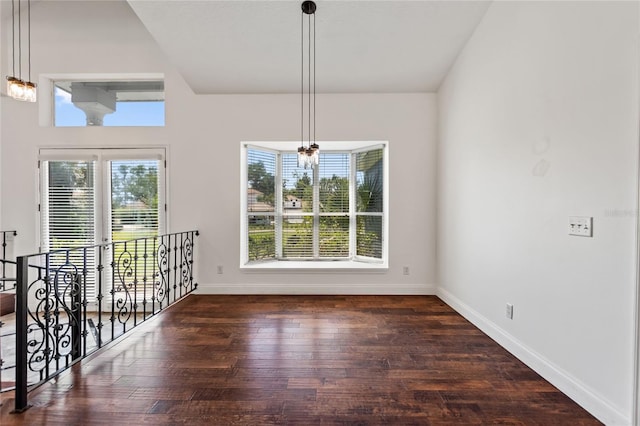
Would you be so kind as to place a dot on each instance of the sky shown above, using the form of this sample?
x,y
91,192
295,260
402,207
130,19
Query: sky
x,y
127,113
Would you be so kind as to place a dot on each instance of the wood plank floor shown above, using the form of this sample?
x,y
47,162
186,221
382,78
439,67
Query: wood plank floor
x,y
302,360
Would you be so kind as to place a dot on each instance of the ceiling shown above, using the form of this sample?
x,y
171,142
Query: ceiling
x,y
362,46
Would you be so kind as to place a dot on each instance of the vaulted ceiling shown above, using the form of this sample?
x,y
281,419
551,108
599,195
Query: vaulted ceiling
x,y
379,46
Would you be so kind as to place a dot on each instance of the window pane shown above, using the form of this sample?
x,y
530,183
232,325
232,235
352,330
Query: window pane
x,y
69,218
369,181
134,199
297,182
334,182
262,237
345,221
334,236
297,236
261,172
70,215
109,103
369,236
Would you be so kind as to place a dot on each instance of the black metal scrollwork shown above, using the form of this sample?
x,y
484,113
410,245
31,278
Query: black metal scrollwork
x,y
68,291
123,287
186,262
55,318
161,286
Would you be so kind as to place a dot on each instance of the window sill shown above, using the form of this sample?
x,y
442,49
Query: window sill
x,y
314,266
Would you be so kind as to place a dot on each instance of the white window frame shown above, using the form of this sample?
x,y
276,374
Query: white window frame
x,y
101,156
46,83
103,203
354,262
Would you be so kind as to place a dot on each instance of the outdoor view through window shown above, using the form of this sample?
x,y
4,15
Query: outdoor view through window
x,y
72,211
332,212
109,103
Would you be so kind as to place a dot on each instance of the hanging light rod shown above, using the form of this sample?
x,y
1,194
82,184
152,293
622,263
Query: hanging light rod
x,y
17,88
309,155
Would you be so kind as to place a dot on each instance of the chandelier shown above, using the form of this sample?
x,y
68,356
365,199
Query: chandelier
x,y
17,88
309,151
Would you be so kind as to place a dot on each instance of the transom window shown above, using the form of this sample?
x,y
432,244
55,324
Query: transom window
x,y
336,211
108,103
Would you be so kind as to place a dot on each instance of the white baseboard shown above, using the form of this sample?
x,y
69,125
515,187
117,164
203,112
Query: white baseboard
x,y
319,289
598,406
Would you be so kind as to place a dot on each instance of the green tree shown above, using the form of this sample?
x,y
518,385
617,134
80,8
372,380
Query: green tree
x,y
303,182
143,185
303,191
334,194
134,195
261,180
137,183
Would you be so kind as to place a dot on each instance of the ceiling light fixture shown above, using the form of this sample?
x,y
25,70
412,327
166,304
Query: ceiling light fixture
x,y
309,154
16,87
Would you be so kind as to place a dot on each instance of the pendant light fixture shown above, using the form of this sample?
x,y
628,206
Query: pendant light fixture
x,y
309,153
17,88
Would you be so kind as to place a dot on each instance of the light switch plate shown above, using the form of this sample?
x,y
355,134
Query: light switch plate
x,y
581,226
509,311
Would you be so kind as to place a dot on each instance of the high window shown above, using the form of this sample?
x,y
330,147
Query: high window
x,y
108,103
336,211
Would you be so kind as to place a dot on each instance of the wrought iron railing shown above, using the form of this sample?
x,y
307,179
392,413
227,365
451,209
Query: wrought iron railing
x,y
72,302
7,299
7,266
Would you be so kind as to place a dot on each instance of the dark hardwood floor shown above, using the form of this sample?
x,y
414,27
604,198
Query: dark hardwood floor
x,y
301,360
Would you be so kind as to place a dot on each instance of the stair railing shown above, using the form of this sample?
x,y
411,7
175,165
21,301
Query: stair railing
x,y
70,303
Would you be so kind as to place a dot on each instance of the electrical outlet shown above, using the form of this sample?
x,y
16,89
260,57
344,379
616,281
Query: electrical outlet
x,y
581,226
220,269
509,311
405,270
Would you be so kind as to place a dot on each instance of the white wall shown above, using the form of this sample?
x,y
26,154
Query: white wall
x,y
538,121
203,135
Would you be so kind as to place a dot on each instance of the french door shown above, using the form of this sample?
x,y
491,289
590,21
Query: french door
x,y
90,197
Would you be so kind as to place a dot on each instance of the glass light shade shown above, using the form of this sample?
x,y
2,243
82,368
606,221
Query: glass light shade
x,y
302,157
309,157
315,156
15,88
29,93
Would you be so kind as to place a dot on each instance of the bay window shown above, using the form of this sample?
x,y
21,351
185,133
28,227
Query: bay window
x,y
336,211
